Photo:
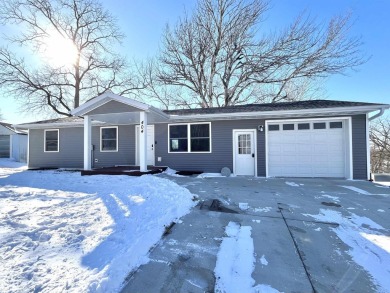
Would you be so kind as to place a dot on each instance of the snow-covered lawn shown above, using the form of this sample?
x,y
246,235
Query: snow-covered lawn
x,y
63,232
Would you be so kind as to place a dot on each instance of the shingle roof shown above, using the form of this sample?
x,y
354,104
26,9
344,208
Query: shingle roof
x,y
73,119
11,128
299,105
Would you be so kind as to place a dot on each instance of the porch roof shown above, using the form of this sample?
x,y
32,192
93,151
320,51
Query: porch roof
x,y
115,109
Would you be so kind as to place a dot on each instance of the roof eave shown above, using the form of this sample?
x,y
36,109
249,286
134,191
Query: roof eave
x,y
283,113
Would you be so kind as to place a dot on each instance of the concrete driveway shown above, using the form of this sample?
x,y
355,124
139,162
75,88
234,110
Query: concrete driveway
x,y
306,236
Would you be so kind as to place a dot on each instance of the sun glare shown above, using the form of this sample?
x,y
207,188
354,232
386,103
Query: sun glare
x,y
59,51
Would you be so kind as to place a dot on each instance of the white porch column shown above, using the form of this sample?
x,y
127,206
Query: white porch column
x,y
143,128
87,143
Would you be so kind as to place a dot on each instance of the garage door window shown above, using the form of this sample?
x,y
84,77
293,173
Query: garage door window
x,y
320,125
51,140
337,124
303,126
288,126
274,127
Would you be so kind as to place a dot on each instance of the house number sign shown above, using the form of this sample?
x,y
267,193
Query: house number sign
x,y
142,127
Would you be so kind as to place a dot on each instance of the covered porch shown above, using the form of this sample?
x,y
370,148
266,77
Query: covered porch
x,y
111,112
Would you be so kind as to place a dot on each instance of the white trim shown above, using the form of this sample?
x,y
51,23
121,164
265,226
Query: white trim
x,y
143,137
350,148
189,138
87,132
58,141
288,113
117,140
28,148
254,145
347,127
368,147
11,146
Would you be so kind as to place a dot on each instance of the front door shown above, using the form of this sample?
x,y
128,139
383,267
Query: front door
x,y
149,147
244,152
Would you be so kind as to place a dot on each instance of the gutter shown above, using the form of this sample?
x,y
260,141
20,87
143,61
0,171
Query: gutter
x,y
379,114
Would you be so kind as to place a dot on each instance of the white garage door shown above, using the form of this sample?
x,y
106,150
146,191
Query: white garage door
x,y
307,149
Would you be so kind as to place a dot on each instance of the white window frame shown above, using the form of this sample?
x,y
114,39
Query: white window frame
x,y
58,141
117,140
189,138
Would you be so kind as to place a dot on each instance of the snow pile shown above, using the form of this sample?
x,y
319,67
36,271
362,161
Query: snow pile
x,y
63,232
369,243
358,190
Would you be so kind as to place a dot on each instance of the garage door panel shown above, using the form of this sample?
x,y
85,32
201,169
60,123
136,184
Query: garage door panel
x,y
307,153
4,146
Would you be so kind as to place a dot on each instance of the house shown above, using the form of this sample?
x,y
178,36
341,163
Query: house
x,y
318,138
13,143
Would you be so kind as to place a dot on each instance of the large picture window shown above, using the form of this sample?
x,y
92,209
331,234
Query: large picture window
x,y
192,137
51,140
109,139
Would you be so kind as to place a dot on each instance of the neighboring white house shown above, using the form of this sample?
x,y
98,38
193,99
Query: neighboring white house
x,y
13,143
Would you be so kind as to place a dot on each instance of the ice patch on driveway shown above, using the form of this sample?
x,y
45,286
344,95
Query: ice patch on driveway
x,y
292,184
263,210
358,190
369,246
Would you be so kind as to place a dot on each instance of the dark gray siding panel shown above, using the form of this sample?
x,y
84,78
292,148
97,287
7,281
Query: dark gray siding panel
x,y
359,148
113,107
126,148
69,156
222,148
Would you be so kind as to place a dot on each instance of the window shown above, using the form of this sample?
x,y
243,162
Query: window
x,y
51,140
244,144
192,137
319,125
338,124
109,139
178,138
288,126
274,127
303,126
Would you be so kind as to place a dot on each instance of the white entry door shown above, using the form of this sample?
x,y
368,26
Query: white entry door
x,y
244,152
149,145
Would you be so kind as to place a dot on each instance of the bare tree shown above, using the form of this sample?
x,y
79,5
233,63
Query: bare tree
x,y
219,57
380,146
96,68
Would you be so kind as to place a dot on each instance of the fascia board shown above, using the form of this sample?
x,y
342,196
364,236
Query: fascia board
x,y
286,113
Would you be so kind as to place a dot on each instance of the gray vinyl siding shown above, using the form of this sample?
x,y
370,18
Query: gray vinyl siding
x,y
126,148
221,144
359,147
70,155
113,107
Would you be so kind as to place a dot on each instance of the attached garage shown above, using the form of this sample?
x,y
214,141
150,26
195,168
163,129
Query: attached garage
x,y
5,146
309,148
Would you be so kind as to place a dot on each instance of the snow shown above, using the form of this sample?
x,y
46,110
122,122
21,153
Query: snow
x,y
60,231
235,260
243,206
263,260
263,210
292,184
368,242
335,198
358,190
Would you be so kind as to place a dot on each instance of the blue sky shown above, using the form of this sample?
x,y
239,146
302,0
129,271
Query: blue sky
x,y
143,22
